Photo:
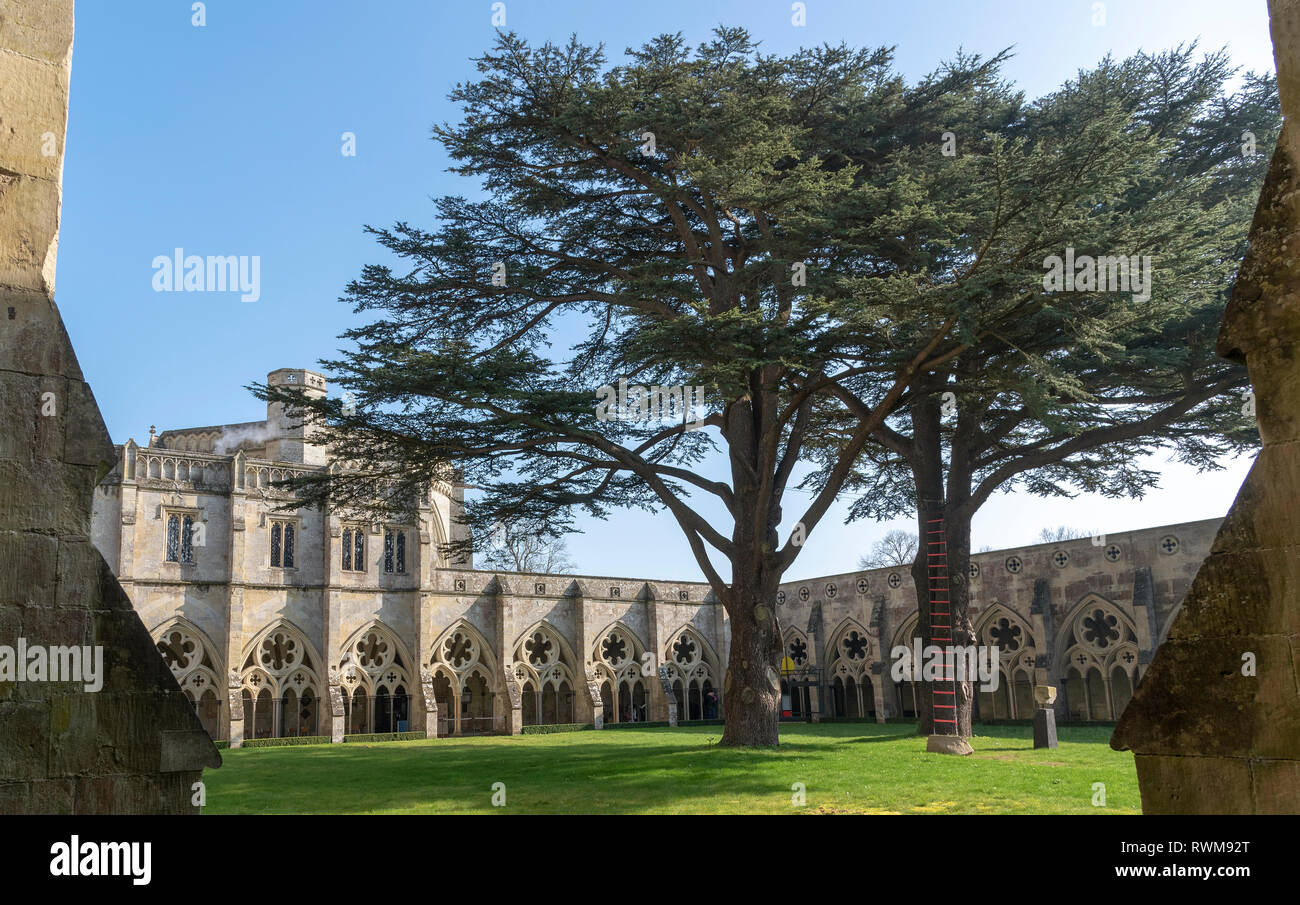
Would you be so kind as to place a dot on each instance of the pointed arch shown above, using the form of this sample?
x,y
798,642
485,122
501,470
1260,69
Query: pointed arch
x,y
281,683
904,634
194,661
693,672
851,647
610,653
466,680
1098,644
903,701
460,647
545,667
539,653
375,660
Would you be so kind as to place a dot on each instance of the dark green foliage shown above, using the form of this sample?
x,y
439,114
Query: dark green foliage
x,y
290,740
384,737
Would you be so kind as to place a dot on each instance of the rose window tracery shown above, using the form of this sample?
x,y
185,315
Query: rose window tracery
x,y
540,650
614,649
373,651
1100,629
458,650
798,651
279,651
1006,635
177,650
855,646
684,650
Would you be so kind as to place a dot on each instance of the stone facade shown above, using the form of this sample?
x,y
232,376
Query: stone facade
x,y
111,732
369,630
1216,727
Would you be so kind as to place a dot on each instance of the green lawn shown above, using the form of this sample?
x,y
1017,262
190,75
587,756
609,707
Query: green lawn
x,y
845,767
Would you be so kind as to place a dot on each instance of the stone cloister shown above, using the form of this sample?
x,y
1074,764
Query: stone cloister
x,y
308,623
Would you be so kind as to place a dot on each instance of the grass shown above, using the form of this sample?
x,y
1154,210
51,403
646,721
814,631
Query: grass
x,y
859,768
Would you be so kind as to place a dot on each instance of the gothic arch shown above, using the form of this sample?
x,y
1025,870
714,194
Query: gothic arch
x,y
465,680
544,666
193,659
905,694
374,662
281,683
796,646
851,646
797,699
693,674
617,658
1098,644
848,660
1018,650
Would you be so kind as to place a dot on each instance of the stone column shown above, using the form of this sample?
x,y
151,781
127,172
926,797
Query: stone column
x,y
880,670
666,687
428,706
583,711
663,706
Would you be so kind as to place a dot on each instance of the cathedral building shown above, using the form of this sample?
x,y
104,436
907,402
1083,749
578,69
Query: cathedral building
x,y
307,623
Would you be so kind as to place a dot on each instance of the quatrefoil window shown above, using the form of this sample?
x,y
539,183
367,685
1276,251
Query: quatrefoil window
x,y
458,650
1100,628
373,651
279,651
798,651
176,650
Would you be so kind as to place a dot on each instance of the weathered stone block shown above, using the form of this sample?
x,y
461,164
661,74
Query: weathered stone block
x,y
1194,785
34,340
90,443
54,796
1247,592
43,32
29,212
27,571
50,497
1207,707
26,117
25,741
1276,786
82,576
1264,515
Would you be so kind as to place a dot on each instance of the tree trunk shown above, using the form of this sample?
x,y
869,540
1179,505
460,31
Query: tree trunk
x,y
956,550
753,685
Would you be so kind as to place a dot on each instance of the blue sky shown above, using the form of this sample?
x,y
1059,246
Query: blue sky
x,y
226,140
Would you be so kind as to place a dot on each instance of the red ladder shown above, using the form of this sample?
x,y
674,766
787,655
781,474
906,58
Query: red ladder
x,y
943,699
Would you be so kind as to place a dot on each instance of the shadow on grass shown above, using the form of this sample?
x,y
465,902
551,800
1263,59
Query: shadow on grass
x,y
630,771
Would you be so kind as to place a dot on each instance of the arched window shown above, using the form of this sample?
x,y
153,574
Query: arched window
x,y
354,549
394,550
191,659
373,659
279,675
1100,659
282,544
180,537
1017,656
691,665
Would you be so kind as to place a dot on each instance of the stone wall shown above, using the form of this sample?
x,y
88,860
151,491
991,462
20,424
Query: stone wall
x,y
1215,726
135,744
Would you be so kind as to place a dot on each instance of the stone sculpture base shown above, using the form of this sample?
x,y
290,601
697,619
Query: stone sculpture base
x,y
1044,728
